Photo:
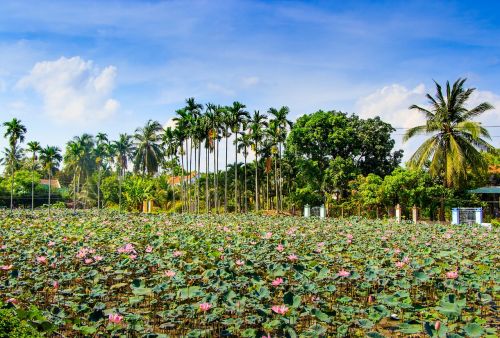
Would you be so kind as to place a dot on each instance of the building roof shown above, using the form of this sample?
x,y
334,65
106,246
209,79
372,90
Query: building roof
x,y
54,183
494,169
486,190
175,180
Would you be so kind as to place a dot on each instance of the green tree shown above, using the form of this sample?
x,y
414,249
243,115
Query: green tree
x,y
123,150
34,148
50,157
456,140
149,153
258,123
15,131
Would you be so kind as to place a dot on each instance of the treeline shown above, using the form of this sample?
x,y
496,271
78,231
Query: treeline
x,y
269,163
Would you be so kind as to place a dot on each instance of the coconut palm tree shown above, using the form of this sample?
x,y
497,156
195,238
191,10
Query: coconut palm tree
x,y
15,131
34,148
237,115
123,150
50,157
257,124
455,142
149,154
281,123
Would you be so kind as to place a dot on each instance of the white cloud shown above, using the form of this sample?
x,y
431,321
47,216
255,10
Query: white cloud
x,y
391,103
250,81
73,90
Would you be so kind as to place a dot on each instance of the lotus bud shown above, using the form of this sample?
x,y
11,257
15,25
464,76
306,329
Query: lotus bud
x,y
437,325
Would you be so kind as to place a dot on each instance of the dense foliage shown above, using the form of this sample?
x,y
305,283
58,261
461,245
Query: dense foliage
x,y
249,275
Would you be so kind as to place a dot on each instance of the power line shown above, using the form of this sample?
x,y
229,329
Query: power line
x,y
481,126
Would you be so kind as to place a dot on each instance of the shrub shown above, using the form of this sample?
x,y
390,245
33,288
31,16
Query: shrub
x,y
13,327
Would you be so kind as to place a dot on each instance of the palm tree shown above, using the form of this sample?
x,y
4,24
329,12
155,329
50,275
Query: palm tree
x,y
183,125
149,154
272,144
281,123
257,125
15,133
50,157
101,153
86,160
171,144
237,115
34,148
244,142
73,156
456,140
217,125
123,150
194,110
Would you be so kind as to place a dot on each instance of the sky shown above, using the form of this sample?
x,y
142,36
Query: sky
x,y
69,67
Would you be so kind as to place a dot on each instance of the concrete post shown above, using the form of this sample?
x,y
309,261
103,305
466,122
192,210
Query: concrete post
x,y
398,213
307,211
479,216
415,214
454,216
322,211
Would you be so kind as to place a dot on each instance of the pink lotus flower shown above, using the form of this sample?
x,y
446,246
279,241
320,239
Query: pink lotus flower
x,y
344,273
41,259
268,336
205,306
239,262
55,285
98,258
349,241
149,249
221,249
280,248
268,235
321,244
370,299
349,236
452,274
280,309
400,264
132,257
6,267
277,281
177,253
115,318
51,243
396,251
293,257
170,273
437,325
406,259
12,301
88,260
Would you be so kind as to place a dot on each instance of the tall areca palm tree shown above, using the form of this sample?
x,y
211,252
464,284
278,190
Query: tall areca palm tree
x,y
149,153
281,124
244,142
50,157
34,148
237,115
170,145
257,125
123,150
456,140
183,122
194,110
101,153
15,131
73,156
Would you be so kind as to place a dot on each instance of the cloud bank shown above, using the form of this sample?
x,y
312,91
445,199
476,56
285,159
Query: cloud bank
x,y
73,89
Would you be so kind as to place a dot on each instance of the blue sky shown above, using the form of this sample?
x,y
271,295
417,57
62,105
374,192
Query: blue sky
x,y
68,67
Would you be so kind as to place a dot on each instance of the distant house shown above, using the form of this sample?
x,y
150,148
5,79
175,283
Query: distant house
x,y
176,180
54,183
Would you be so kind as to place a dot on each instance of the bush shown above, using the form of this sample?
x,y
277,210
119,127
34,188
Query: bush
x,y
13,327
495,222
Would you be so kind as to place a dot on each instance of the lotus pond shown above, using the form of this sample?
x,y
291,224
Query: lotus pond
x,y
248,276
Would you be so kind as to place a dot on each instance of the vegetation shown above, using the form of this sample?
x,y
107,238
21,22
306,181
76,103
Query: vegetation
x,y
251,276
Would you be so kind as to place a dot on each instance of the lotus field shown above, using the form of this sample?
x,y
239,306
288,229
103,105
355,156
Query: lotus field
x,y
248,276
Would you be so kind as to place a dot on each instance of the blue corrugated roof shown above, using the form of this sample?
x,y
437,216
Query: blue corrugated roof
x,y
486,190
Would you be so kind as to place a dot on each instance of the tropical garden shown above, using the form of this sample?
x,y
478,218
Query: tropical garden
x,y
222,251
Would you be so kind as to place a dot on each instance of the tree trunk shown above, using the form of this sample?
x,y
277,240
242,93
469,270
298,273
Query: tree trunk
x,y
99,188
267,193
245,183
280,182
207,197
236,209
74,191
198,181
11,185
120,180
225,181
33,187
256,178
276,184
50,186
